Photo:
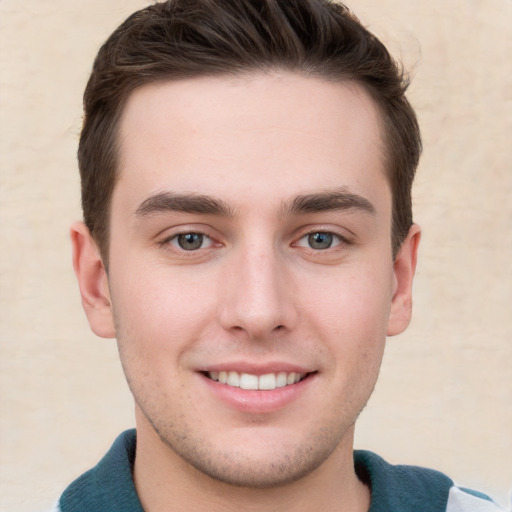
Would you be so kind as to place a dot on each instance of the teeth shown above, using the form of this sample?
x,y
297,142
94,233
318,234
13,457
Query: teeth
x,y
266,382
248,381
233,379
281,380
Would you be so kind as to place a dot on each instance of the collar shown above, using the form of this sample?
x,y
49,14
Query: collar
x,y
109,485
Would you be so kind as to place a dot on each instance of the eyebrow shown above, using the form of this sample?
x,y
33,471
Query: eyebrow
x,y
338,200
183,203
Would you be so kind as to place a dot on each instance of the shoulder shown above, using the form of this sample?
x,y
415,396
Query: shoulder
x,y
409,488
108,485
466,500
55,508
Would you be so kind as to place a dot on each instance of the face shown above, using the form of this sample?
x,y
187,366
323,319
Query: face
x,y
251,281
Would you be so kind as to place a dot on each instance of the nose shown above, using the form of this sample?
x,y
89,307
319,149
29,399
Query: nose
x,y
258,294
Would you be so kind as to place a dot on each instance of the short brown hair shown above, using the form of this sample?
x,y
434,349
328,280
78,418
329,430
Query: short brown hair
x,y
187,38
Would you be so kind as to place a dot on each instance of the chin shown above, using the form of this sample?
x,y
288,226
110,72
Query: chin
x,y
272,460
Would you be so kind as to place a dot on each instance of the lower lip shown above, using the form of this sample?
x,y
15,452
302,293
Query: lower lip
x,y
256,401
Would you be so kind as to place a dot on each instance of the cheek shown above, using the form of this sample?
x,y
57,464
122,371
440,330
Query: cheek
x,y
359,302
353,318
158,311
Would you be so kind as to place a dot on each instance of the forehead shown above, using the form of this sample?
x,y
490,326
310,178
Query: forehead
x,y
238,136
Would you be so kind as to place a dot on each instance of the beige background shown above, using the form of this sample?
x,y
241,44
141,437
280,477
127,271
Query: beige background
x,y
445,394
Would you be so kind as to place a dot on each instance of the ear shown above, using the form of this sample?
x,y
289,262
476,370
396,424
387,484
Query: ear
x,y
93,281
404,267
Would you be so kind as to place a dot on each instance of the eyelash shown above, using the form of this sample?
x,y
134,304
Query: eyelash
x,y
174,241
334,241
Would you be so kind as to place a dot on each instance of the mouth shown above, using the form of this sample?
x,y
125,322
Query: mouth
x,y
266,382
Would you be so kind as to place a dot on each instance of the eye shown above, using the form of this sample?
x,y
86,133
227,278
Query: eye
x,y
191,241
320,240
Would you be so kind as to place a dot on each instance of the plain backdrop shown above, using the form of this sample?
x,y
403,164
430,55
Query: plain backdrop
x,y
444,398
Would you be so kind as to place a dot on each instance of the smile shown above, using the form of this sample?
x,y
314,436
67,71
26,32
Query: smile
x,y
265,382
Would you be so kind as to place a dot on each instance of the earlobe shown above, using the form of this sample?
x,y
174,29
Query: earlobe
x,y
92,280
404,267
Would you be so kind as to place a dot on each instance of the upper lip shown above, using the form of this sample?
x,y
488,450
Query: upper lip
x,y
257,369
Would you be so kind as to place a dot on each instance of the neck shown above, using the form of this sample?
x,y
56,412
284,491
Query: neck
x,y
167,483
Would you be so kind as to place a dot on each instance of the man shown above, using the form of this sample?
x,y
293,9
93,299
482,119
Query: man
x,y
246,171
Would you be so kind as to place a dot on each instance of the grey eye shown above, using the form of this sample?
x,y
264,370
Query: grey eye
x,y
190,241
320,240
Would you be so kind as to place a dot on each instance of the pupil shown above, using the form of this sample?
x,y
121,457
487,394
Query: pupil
x,y
320,240
190,241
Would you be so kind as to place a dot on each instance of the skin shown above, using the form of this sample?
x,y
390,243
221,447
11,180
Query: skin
x,y
279,157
